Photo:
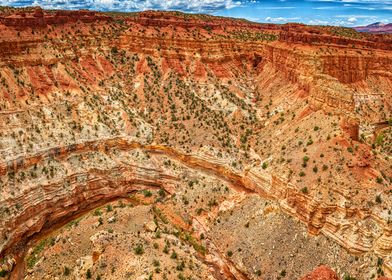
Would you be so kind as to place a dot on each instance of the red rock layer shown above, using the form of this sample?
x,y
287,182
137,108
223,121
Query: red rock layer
x,y
321,273
38,18
296,55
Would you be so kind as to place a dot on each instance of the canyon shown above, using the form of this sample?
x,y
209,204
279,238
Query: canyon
x,y
164,145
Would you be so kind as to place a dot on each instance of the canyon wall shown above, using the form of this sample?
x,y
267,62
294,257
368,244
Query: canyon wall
x,y
41,206
76,85
39,19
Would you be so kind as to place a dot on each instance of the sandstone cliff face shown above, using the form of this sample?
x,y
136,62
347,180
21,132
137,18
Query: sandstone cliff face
x,y
39,19
269,109
298,36
321,273
354,69
298,66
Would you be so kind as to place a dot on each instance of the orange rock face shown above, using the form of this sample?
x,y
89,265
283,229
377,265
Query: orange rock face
x,y
38,18
321,273
282,111
351,128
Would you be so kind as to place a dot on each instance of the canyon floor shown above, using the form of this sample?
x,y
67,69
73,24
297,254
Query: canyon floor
x,y
163,145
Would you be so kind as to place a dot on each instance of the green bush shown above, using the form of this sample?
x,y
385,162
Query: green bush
x,y
88,274
139,250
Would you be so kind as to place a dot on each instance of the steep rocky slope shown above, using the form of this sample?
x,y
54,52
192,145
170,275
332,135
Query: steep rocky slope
x,y
233,123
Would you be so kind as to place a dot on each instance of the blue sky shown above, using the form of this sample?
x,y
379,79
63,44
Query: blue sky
x,y
333,12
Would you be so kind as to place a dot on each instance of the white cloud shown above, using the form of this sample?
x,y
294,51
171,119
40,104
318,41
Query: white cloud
x,y
352,19
105,2
318,22
280,19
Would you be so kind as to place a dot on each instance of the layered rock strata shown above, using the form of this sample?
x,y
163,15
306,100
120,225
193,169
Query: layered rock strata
x,y
273,110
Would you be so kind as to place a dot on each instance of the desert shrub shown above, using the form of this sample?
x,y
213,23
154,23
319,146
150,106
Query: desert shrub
x,y
139,250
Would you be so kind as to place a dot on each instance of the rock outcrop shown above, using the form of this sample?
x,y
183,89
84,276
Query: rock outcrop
x,y
321,273
37,18
270,109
